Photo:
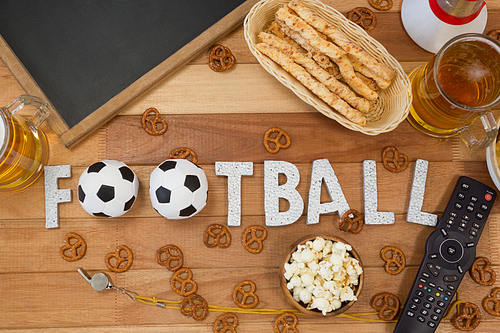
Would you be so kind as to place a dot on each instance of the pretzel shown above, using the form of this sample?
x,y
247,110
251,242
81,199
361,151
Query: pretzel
x,y
192,305
188,285
185,153
146,119
120,259
479,273
389,308
377,4
315,70
173,254
363,17
246,295
468,318
247,242
276,141
396,260
493,298
217,236
351,221
285,323
495,34
221,58
222,325
75,250
393,160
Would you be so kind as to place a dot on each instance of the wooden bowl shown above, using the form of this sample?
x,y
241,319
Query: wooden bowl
x,y
303,307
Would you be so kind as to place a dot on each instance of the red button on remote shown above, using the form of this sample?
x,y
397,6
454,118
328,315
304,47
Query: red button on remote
x,y
488,197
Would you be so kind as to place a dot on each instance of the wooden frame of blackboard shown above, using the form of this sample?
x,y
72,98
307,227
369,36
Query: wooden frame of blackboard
x,y
71,136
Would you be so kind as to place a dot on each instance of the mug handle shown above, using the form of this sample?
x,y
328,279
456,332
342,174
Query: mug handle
x,y
490,127
42,112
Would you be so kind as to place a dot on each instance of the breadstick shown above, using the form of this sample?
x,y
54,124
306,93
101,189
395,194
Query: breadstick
x,y
316,87
381,70
320,74
275,28
333,52
363,69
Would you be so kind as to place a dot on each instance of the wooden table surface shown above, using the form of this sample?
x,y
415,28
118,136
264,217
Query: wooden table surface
x,y
223,117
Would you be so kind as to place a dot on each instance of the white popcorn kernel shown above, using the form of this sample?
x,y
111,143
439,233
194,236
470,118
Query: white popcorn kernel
x,y
318,244
307,279
319,291
336,304
347,294
296,293
305,296
307,255
294,282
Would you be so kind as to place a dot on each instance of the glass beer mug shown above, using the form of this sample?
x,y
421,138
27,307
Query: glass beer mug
x,y
23,146
458,86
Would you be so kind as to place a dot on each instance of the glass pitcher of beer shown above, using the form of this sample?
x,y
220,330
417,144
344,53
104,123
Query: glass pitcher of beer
x,y
23,146
456,88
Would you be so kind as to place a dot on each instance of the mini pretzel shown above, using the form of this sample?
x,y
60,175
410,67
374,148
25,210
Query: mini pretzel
x,y
495,33
222,325
222,238
221,58
249,299
188,285
397,260
185,153
351,221
125,259
482,273
254,239
153,122
377,4
276,140
285,323
493,298
73,251
363,17
393,160
468,318
192,305
389,307
173,255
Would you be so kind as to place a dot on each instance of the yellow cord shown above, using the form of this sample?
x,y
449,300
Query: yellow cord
x,y
214,308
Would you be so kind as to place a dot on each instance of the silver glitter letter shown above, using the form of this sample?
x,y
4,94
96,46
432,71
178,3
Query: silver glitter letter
x,y
53,195
370,196
415,214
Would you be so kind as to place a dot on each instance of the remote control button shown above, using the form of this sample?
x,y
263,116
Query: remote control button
x,y
463,225
444,232
432,285
458,205
441,303
473,199
416,300
419,293
450,222
451,287
432,268
431,298
473,233
470,209
431,324
434,317
469,245
433,256
484,207
421,319
466,218
438,310
424,312
453,214
451,250
476,225
449,293
445,298
460,196
460,269
479,216
425,275
413,307
488,197
450,278
410,314
427,305
420,285
465,186
423,281
438,294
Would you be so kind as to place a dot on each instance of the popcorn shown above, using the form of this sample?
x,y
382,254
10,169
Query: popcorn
x,y
322,274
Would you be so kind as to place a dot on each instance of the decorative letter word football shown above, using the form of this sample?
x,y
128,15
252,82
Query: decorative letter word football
x,y
178,189
108,188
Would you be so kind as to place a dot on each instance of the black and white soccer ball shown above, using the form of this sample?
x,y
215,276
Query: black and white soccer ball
x,y
178,189
108,188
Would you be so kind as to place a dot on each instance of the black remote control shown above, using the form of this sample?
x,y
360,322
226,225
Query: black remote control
x,y
450,251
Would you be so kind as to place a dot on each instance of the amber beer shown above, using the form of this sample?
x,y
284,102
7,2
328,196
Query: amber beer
x,y
23,148
461,82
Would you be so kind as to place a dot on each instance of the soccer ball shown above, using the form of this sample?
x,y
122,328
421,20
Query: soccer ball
x,y
107,188
178,189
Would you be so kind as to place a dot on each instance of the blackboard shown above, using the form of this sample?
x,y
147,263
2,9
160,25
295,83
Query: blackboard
x,y
89,58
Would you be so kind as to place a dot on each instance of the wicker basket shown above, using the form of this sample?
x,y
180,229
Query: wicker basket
x,y
394,102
